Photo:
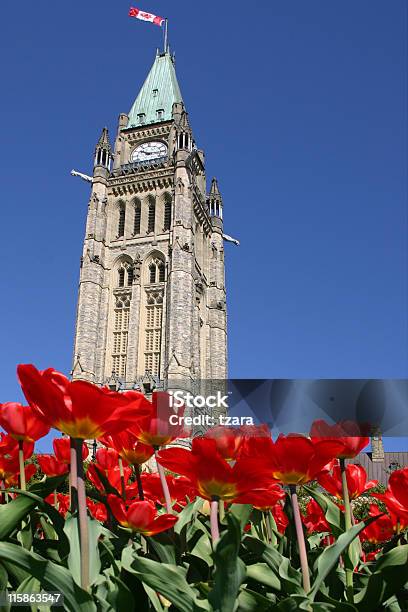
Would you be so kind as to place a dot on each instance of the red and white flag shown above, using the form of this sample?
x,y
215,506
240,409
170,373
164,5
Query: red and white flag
x,y
135,12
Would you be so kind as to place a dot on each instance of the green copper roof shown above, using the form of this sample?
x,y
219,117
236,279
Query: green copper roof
x,y
158,94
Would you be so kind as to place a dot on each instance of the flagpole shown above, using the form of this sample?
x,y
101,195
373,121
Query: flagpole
x,y
165,35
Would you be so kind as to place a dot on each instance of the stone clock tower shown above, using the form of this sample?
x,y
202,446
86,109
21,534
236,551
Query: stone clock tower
x,y
152,301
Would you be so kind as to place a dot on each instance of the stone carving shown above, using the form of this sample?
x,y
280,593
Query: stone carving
x,y
180,186
137,266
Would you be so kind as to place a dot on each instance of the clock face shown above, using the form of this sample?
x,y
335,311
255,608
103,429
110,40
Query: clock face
x,y
148,151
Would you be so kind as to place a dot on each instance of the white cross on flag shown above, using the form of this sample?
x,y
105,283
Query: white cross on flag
x,y
135,12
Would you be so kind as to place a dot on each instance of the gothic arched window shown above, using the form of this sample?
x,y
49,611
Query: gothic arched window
x,y
156,271
151,215
138,216
125,274
167,212
121,220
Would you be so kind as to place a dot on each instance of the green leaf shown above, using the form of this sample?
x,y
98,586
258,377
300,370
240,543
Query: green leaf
x,y
25,534
202,547
154,599
330,556
229,568
74,558
251,601
12,513
241,512
289,577
168,580
3,578
164,546
332,512
187,514
389,576
261,572
52,577
31,585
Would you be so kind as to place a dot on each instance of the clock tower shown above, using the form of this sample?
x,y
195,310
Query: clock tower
x,y
152,301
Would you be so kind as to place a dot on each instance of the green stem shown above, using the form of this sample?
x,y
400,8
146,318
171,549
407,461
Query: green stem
x,y
122,479
139,482
23,485
348,523
73,480
82,516
221,510
164,485
215,532
300,539
265,516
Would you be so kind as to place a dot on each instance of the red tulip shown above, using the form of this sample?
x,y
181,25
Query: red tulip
x,y
112,474
381,530
180,488
227,439
62,450
9,447
357,482
157,429
62,501
370,556
395,497
13,480
97,510
314,519
107,458
129,447
398,486
212,476
8,467
140,516
79,409
21,422
280,517
266,499
293,459
50,466
346,432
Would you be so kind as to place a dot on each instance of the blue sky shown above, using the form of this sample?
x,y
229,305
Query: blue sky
x,y
301,110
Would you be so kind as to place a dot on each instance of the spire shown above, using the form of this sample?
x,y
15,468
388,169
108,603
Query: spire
x,y
214,191
159,92
103,141
215,200
103,150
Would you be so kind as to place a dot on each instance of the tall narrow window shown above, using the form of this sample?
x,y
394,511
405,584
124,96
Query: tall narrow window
x,y
121,277
120,335
154,312
137,219
162,272
154,275
151,216
167,213
121,221
130,276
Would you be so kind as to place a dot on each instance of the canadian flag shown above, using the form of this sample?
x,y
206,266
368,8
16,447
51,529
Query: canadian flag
x,y
135,12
